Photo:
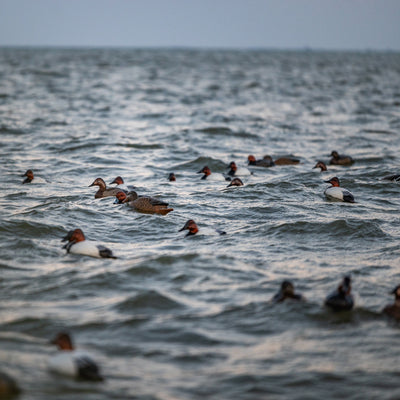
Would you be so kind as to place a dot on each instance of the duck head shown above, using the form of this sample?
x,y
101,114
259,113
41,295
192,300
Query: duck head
x,y
63,341
335,154
118,180
171,177
99,182
345,286
251,160
191,226
322,165
236,182
206,171
120,198
73,236
29,176
334,181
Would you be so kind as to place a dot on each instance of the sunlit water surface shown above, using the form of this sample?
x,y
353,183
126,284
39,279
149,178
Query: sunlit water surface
x,y
191,318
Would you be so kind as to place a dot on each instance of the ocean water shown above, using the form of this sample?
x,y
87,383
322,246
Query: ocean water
x,y
178,317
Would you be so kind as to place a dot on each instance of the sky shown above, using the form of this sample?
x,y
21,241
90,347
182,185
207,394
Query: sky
x,y
277,24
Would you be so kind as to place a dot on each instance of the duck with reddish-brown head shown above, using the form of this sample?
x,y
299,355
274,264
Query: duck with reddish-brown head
x,y
144,204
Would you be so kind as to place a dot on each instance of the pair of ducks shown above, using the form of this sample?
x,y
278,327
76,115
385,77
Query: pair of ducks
x,y
340,299
144,204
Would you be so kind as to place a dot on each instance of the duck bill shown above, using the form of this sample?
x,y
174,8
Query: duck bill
x,y
112,183
91,184
117,201
199,172
66,245
327,181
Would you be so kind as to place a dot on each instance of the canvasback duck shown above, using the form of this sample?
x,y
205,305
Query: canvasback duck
x,y
172,177
192,227
30,178
393,310
322,165
394,178
103,190
236,182
340,160
335,192
235,171
71,362
145,204
286,292
77,244
8,386
210,176
265,162
341,299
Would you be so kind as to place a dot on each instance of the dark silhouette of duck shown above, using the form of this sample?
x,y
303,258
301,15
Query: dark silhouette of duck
x,y
341,299
393,310
340,159
287,292
236,182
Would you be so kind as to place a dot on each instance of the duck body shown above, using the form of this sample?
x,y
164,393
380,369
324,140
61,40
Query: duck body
x,y
76,364
287,161
235,182
77,244
145,204
340,159
104,191
335,192
341,299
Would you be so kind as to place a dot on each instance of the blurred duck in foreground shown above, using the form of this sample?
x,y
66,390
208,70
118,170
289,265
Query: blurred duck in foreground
x,y
192,227
340,159
341,299
235,171
30,178
145,204
287,292
335,192
73,363
322,165
77,244
103,190
8,386
393,310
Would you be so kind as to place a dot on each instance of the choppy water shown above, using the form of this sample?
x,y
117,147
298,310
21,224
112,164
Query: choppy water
x,y
190,318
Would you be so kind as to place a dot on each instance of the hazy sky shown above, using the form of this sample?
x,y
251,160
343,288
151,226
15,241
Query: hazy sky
x,y
325,24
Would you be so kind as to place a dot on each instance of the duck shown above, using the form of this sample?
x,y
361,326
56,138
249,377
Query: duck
x,y
286,292
172,177
145,204
192,227
236,182
341,299
103,190
394,178
8,386
393,310
77,244
335,192
265,162
340,160
235,171
322,165
71,362
210,176
30,178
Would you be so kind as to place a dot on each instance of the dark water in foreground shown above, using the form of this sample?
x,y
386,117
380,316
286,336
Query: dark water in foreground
x,y
190,318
